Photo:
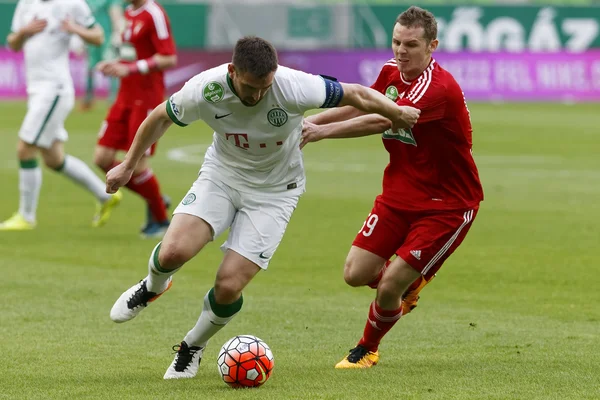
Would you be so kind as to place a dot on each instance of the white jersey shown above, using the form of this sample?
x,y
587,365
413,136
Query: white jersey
x,y
255,147
47,52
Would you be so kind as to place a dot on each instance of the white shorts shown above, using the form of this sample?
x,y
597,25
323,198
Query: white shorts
x,y
44,121
257,220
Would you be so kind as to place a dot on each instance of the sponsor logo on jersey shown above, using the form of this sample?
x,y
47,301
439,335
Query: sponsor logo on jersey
x,y
174,106
189,199
403,135
213,92
277,117
391,93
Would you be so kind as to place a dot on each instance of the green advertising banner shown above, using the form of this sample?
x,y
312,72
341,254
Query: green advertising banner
x,y
491,28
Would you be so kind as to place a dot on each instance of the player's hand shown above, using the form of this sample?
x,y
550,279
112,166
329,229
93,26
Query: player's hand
x,y
117,177
311,133
410,115
35,26
113,68
68,25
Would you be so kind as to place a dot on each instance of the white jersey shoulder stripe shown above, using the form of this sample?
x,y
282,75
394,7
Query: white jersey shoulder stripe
x,y
422,85
159,19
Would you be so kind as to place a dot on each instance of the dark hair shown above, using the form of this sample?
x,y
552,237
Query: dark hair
x,y
255,55
418,17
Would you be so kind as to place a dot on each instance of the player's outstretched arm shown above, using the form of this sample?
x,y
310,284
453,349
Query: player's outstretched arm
x,y
154,126
364,125
93,35
334,115
371,101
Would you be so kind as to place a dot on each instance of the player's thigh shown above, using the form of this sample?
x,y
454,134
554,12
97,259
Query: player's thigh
x,y
113,131
138,115
260,223
434,237
186,236
382,232
44,121
211,201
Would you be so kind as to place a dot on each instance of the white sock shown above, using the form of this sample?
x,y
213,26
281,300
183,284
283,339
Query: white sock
x,y
158,278
30,183
80,173
209,323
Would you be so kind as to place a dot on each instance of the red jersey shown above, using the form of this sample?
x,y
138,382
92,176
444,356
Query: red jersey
x,y
431,165
147,32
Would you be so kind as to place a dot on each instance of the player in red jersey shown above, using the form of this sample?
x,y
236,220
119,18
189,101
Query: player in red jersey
x,y
431,188
148,49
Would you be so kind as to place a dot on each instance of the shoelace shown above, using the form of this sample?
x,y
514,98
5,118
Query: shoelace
x,y
185,354
140,297
357,353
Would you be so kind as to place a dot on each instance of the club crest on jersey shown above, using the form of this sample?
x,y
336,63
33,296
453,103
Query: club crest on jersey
x,y
213,92
277,117
189,199
403,135
391,93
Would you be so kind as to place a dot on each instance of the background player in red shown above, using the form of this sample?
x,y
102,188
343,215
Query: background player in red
x,y
431,188
148,49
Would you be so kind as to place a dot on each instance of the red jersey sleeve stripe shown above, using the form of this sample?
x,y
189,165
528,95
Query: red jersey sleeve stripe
x,y
160,22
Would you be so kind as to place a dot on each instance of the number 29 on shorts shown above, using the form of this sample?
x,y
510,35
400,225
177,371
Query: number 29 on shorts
x,y
369,225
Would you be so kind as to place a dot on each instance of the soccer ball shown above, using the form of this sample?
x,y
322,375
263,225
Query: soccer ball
x,y
245,361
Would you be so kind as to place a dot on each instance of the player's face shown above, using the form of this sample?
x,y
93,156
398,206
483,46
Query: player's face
x,y
411,50
249,88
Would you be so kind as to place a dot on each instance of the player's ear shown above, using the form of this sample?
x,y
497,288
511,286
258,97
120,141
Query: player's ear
x,y
231,69
433,45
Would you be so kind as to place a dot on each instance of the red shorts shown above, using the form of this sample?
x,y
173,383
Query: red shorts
x,y
423,239
121,124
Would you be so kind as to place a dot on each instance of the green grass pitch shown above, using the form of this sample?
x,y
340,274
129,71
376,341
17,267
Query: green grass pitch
x,y
513,314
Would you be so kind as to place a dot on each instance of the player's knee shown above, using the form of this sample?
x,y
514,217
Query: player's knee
x,y
26,151
227,290
388,293
103,160
173,255
352,274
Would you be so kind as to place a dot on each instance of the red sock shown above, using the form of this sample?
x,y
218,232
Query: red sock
x,y
146,185
375,282
380,321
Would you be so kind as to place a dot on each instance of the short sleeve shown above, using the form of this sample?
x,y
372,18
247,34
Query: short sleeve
x,y
310,92
161,36
83,15
183,106
430,99
17,20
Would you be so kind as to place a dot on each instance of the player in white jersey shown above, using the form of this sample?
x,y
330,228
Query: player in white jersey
x,y
43,30
250,181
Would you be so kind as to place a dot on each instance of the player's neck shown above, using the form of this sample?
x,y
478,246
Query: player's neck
x,y
138,3
412,75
